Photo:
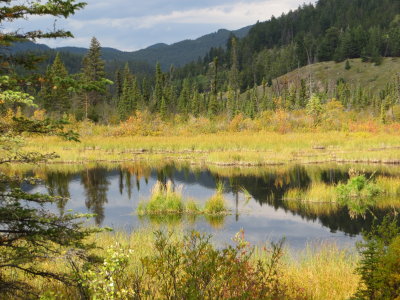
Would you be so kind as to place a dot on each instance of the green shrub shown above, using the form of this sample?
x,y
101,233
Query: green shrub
x,y
195,269
358,194
380,264
105,282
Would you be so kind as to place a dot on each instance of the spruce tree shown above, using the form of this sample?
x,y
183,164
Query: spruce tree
x,y
231,103
118,84
55,90
159,87
93,73
234,71
32,237
315,109
213,105
130,96
184,97
195,102
302,94
163,109
347,65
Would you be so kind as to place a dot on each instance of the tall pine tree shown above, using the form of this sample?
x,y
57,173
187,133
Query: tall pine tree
x,y
93,74
54,93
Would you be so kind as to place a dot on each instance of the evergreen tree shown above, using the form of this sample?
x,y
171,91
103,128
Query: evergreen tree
x,y
184,97
195,102
118,84
145,91
213,106
347,66
32,237
159,87
130,97
214,76
303,94
163,109
231,103
93,74
234,71
55,91
314,109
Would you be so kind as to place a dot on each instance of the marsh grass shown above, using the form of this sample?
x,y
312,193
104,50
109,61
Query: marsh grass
x,y
227,147
164,199
384,191
321,272
168,200
191,207
216,205
390,186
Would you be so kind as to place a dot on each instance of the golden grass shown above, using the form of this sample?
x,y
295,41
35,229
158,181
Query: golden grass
x,y
320,192
216,205
164,200
324,272
241,148
390,186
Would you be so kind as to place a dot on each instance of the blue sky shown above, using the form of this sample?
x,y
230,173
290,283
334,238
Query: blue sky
x,y
132,24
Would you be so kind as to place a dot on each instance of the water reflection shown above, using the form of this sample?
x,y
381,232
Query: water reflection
x,y
58,185
95,183
113,192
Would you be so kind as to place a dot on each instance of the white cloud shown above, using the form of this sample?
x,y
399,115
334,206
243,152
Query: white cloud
x,y
232,15
130,25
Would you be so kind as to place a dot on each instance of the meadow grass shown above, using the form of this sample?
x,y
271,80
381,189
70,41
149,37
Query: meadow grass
x,y
236,148
321,272
163,200
389,195
167,199
216,205
389,185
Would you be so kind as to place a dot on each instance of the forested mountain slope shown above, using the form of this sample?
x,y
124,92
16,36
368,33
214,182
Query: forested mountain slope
x,y
177,54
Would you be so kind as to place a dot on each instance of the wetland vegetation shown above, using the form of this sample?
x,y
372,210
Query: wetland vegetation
x,y
268,169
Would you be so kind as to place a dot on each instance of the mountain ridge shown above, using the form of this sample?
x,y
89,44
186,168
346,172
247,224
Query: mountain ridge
x,y
177,54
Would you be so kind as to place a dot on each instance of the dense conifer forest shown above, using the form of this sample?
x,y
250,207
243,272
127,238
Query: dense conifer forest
x,y
242,77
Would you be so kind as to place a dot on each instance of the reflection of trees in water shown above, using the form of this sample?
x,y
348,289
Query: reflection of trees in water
x,y
57,184
270,188
126,175
96,185
125,182
166,173
334,217
334,176
267,188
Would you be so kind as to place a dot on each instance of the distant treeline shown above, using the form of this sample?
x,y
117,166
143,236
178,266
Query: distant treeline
x,y
225,81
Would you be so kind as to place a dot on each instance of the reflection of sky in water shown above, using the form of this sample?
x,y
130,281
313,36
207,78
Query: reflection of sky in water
x,y
261,223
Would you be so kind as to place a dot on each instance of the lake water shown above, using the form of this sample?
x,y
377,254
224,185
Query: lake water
x,y
113,192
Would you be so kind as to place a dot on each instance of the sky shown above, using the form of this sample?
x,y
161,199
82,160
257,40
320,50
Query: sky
x,y
136,24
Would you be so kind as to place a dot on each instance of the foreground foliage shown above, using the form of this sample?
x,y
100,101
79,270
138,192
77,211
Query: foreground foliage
x,y
147,265
380,262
